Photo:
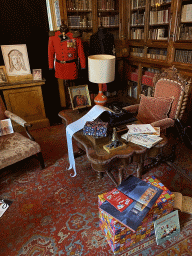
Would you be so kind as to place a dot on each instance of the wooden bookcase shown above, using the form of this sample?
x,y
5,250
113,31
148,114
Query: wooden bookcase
x,y
159,34
90,14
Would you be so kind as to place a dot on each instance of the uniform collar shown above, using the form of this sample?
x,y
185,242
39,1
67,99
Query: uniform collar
x,y
63,38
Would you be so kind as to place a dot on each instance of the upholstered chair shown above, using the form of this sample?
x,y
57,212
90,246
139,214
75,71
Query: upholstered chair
x,y
15,147
168,103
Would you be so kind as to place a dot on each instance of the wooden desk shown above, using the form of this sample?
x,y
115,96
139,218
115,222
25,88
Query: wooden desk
x,y
25,99
102,161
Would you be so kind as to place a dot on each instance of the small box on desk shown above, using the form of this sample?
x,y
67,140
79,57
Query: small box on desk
x,y
119,236
95,128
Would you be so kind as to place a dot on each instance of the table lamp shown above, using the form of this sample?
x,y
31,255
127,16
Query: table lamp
x,y
101,69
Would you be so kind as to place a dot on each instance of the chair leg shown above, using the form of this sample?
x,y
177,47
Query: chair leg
x,y
41,160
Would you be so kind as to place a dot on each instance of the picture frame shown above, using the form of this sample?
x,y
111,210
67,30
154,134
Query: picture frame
x,y
16,59
79,96
37,74
3,75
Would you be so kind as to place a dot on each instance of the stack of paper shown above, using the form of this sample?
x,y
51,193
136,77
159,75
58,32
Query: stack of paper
x,y
143,134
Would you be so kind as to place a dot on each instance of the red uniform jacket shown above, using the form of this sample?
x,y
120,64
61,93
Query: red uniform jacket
x,y
70,49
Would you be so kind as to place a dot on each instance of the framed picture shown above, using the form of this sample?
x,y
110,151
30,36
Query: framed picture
x,y
37,74
3,75
79,96
16,59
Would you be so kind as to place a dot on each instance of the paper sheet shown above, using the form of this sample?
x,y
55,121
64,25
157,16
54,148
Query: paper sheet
x,y
78,125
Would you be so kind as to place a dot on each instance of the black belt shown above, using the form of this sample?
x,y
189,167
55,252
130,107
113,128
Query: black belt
x,y
66,61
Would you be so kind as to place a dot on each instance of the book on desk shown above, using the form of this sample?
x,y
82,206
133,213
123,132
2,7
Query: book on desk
x,y
143,134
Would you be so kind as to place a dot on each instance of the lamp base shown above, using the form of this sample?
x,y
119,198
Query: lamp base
x,y
100,99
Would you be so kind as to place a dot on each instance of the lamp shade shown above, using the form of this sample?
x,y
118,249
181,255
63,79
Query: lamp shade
x,y
101,68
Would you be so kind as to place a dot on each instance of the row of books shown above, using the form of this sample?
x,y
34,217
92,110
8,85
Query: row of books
x,y
136,51
185,32
138,4
146,90
153,71
136,54
79,21
106,5
160,54
132,89
141,3
137,18
79,5
154,34
109,21
186,13
158,34
183,56
159,2
159,17
137,33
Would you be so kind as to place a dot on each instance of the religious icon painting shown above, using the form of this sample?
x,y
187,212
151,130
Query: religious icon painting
x,y
16,59
80,97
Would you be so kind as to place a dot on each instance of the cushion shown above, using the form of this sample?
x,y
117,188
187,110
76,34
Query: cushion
x,y
153,109
16,147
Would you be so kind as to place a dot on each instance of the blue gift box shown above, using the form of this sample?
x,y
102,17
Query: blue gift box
x,y
95,128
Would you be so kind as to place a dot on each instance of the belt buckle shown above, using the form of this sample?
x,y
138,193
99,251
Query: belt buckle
x,y
63,62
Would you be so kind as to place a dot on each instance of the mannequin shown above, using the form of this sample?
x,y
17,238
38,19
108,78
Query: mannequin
x,y
64,52
102,42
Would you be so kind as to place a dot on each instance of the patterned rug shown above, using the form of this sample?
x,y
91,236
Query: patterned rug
x,y
55,214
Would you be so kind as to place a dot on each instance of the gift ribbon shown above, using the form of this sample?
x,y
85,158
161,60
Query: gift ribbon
x,y
78,125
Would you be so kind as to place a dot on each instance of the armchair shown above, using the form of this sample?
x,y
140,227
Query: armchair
x,y
167,106
15,147
169,102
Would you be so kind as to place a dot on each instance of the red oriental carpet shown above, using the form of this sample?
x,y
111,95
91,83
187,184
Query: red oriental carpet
x,y
55,214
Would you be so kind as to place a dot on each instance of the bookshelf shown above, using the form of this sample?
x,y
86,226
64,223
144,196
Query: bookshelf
x,y
88,15
139,80
159,35
159,19
185,30
108,15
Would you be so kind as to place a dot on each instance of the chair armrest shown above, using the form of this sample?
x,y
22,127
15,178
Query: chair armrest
x,y
164,123
16,119
20,121
132,108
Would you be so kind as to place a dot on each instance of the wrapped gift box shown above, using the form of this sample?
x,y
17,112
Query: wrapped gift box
x,y
95,128
120,237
